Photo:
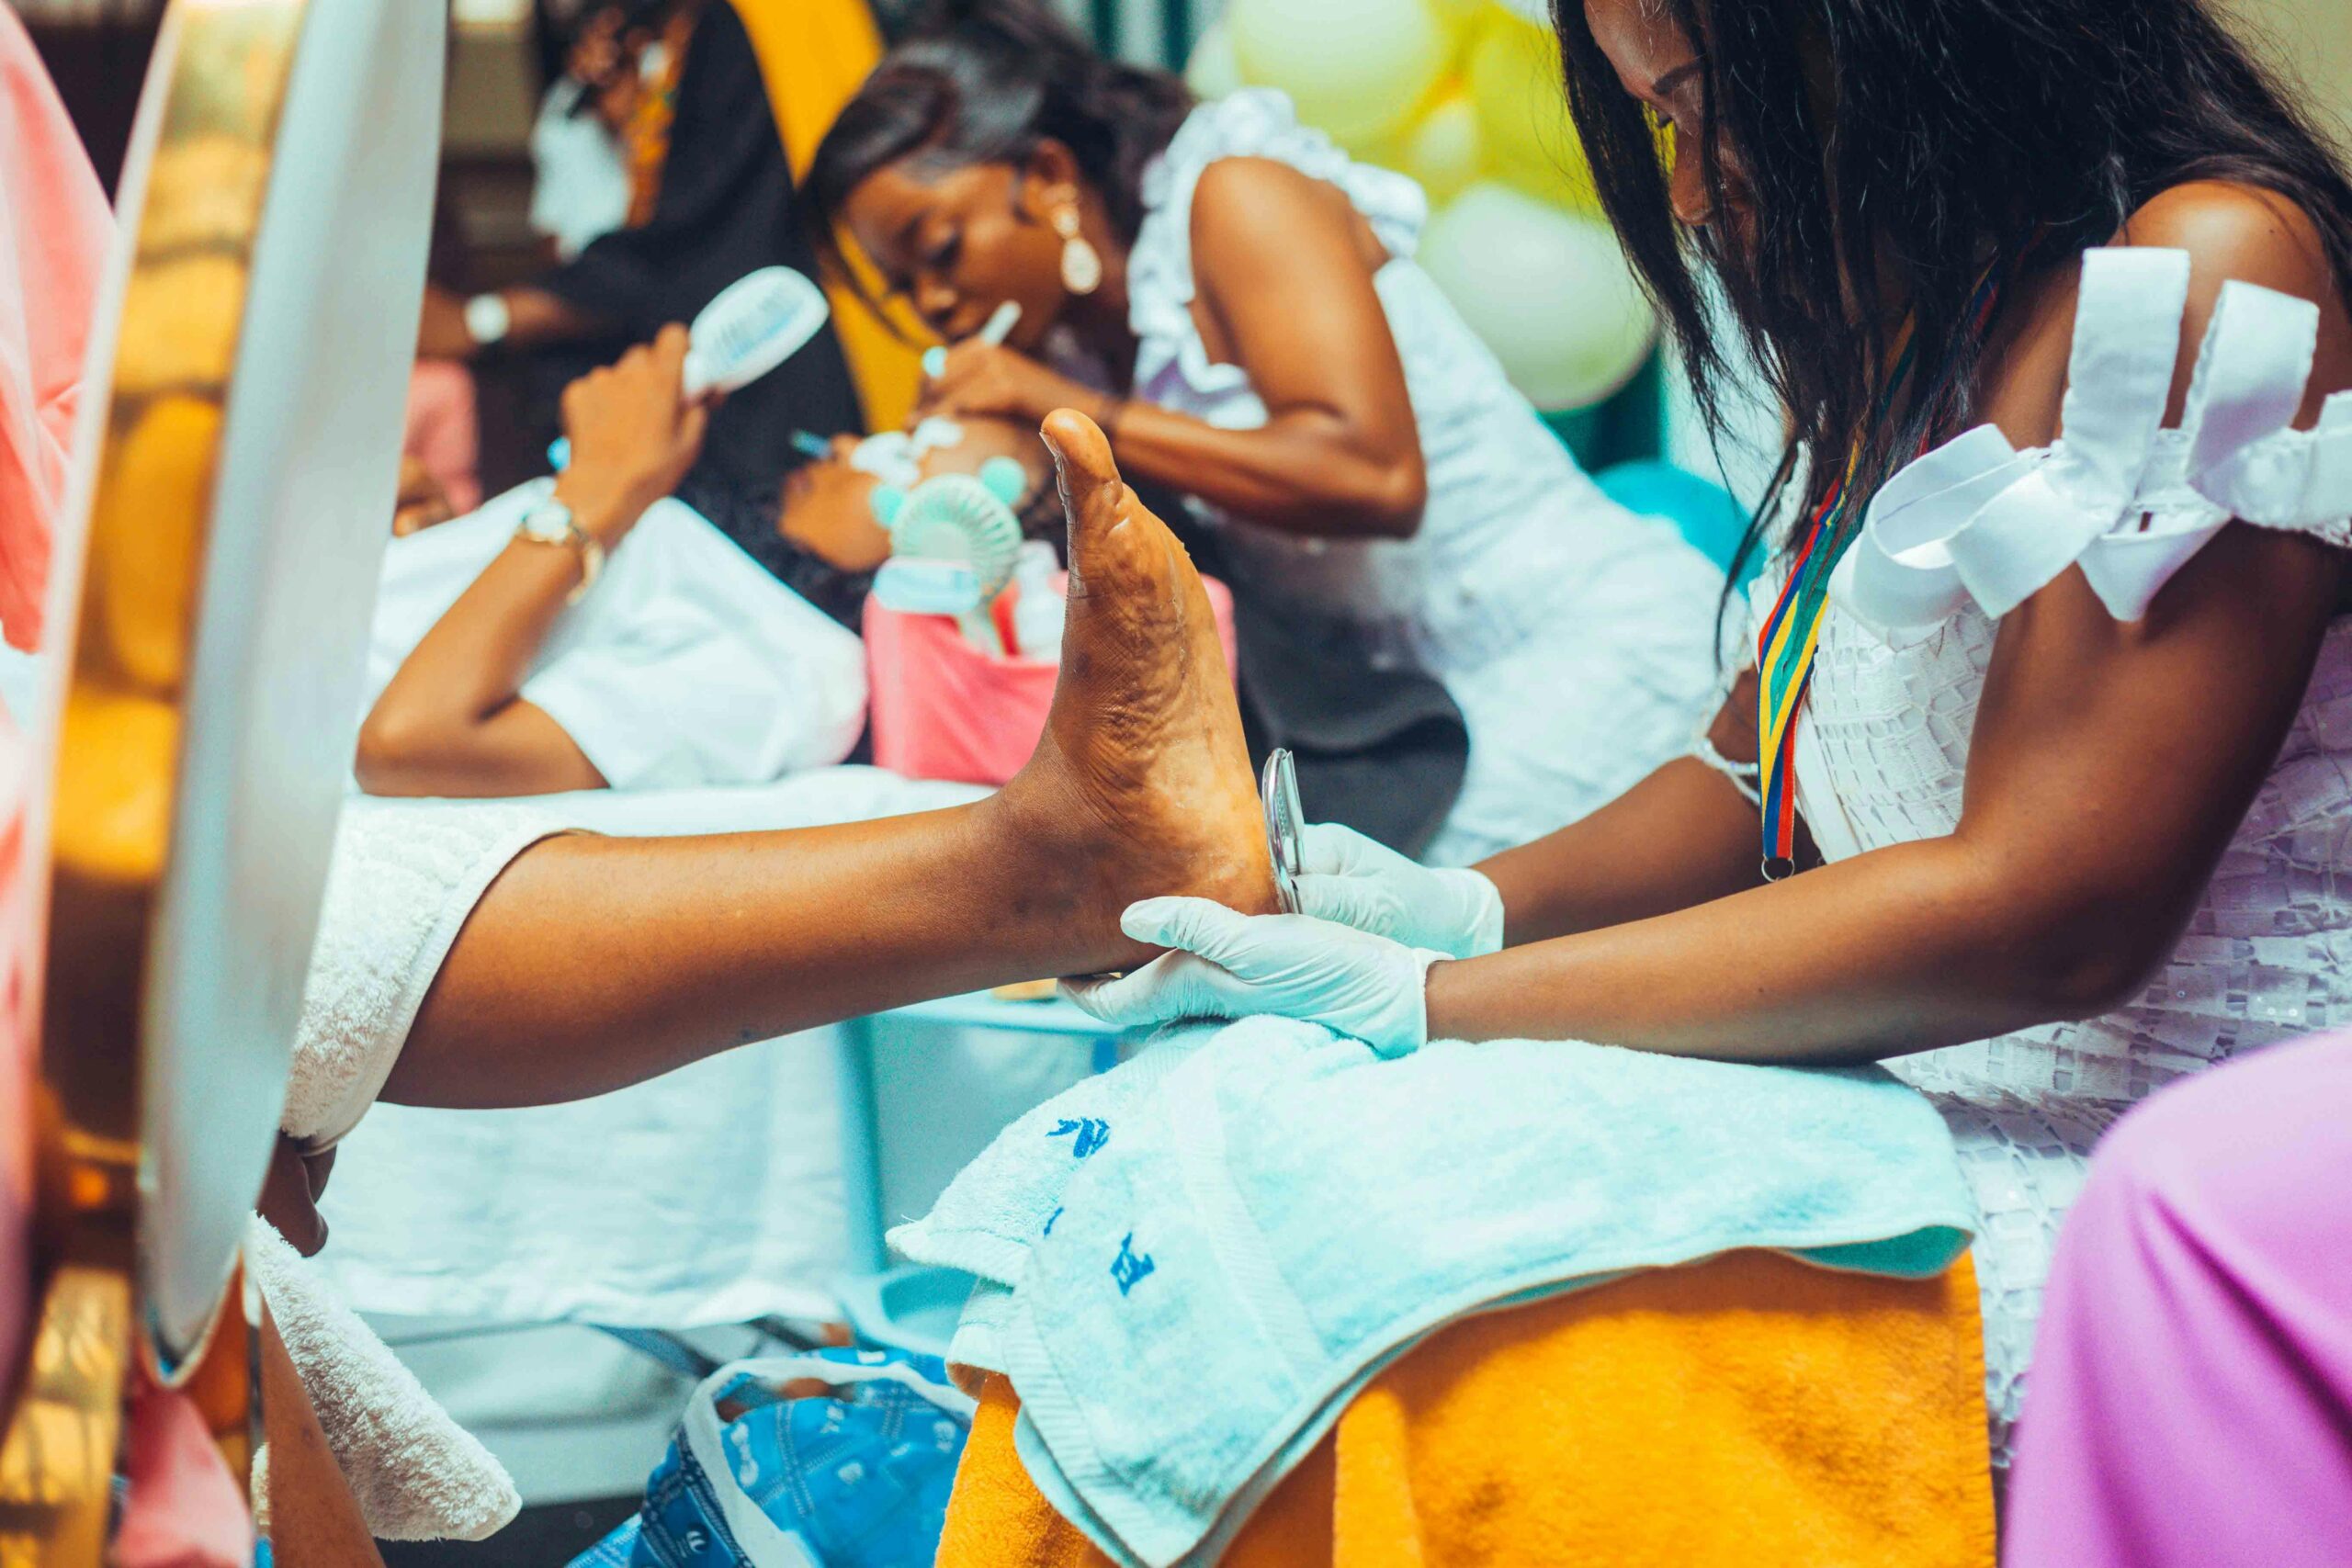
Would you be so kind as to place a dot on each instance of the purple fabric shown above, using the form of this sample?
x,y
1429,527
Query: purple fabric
x,y
2191,1394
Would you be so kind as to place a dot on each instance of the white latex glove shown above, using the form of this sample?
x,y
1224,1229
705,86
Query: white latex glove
x,y
1362,883
1231,965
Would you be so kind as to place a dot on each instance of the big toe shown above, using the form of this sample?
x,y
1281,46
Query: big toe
x,y
1096,500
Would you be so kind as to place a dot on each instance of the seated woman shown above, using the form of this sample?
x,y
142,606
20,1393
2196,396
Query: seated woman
x,y
2056,749
593,632
1237,303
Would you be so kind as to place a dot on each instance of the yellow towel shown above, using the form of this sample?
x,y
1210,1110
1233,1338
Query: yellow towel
x,y
814,55
1749,1410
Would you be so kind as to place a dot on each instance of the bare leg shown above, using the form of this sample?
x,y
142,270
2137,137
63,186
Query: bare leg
x,y
594,963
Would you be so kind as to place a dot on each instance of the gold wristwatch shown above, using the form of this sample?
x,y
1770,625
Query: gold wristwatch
x,y
549,522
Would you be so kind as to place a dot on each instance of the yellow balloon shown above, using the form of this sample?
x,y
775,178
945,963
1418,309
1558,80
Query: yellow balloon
x,y
1513,69
1357,69
1549,291
1214,70
1445,150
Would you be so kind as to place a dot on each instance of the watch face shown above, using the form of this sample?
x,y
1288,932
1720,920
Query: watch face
x,y
549,522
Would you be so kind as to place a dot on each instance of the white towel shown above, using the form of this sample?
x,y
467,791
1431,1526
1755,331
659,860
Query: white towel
x,y
1192,1264
404,876
415,1475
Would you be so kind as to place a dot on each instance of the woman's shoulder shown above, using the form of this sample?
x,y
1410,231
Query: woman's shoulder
x,y
1244,162
2191,373
2160,279
2233,230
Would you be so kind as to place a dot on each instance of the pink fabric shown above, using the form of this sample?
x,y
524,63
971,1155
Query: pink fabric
x,y
2190,1401
183,1509
942,709
54,229
443,433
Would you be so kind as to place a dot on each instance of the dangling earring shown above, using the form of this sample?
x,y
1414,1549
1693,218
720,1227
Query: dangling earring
x,y
1081,264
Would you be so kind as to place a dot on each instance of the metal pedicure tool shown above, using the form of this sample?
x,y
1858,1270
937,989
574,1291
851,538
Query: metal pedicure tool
x,y
1278,792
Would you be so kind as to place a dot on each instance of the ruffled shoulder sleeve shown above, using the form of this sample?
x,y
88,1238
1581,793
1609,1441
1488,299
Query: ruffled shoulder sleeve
x,y
2119,493
1255,122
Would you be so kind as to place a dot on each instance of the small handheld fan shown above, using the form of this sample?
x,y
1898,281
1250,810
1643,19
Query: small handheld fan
x,y
956,517
754,325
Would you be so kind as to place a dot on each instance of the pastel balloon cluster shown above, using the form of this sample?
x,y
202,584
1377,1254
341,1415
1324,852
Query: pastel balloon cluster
x,y
1465,96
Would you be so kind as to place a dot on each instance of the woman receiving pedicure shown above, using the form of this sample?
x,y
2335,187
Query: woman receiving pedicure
x,y
553,965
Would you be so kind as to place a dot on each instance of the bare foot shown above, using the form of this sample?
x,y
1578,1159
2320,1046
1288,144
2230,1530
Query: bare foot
x,y
1142,783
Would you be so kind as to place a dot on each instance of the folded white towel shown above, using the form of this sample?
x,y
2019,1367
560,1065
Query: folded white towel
x,y
1191,1264
415,1473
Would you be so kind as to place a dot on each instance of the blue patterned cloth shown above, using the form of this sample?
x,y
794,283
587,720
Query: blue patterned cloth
x,y
857,1479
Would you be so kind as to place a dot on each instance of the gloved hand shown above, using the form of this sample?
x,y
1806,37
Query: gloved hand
x,y
1232,966
1362,883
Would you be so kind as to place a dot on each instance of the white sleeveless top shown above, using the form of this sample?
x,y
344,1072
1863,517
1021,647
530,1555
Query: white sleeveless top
x,y
1509,518
1964,535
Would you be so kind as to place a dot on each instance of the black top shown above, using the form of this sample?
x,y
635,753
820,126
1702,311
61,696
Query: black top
x,y
726,207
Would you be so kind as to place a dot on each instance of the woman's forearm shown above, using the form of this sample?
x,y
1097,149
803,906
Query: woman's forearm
x,y
1903,949
1682,836
427,733
1302,472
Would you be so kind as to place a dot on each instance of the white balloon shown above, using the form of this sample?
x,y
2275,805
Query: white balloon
x,y
1214,70
1547,290
1357,69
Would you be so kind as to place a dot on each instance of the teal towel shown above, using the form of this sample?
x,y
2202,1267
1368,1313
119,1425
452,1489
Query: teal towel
x,y
1191,1264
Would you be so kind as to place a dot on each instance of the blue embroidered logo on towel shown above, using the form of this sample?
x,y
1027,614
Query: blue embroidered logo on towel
x,y
1130,1265
1092,1132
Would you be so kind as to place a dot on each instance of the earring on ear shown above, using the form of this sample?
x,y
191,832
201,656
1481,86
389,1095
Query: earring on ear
x,y
1081,264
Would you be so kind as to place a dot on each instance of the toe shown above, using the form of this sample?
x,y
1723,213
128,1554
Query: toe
x,y
1093,496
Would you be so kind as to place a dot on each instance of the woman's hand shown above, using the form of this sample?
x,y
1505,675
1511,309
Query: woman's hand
x,y
633,437
990,378
1362,883
289,1195
1224,964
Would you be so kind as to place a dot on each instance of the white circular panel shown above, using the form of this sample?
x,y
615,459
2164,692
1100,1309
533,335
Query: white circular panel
x,y
308,467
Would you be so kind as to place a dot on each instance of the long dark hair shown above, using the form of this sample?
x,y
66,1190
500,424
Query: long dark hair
x,y
1899,147
984,82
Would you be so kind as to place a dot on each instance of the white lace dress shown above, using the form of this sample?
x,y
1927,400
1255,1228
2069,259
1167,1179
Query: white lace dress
x,y
1576,637
1962,537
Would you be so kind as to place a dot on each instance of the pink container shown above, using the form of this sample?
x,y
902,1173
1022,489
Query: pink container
x,y
942,709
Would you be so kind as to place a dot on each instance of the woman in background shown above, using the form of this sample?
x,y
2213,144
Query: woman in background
x,y
678,663
1237,303
732,95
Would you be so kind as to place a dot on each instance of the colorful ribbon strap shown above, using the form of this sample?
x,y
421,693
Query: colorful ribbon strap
x,y
1792,633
